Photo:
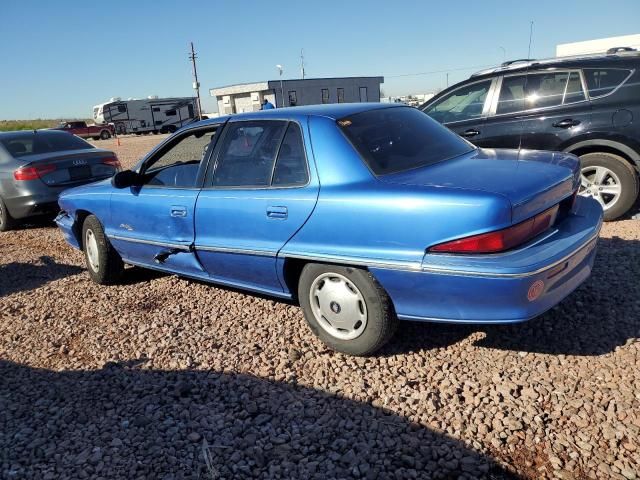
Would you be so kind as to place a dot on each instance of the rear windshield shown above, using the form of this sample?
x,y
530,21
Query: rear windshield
x,y
391,140
20,144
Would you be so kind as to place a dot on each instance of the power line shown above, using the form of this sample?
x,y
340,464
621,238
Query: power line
x,y
439,71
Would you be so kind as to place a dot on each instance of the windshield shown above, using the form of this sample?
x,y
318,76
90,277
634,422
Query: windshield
x,y
391,140
33,143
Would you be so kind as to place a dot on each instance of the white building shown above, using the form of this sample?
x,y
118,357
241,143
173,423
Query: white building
x,y
600,45
248,97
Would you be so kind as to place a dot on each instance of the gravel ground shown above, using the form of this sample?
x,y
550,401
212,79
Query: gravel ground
x,y
169,378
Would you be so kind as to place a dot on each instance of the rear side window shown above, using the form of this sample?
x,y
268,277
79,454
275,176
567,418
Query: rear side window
x,y
22,144
391,140
291,165
248,153
601,82
539,90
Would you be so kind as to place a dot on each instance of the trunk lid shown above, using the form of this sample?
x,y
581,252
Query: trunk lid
x,y
532,181
71,167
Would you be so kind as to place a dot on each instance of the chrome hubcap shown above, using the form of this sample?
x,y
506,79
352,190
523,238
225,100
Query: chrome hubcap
x,y
601,184
338,306
91,249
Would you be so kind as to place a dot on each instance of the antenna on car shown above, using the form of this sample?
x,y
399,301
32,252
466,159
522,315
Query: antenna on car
x,y
524,90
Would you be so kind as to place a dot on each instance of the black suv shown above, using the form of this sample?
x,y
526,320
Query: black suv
x,y
589,106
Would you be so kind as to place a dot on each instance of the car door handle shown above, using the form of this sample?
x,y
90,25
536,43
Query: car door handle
x,y
472,132
566,123
178,211
277,212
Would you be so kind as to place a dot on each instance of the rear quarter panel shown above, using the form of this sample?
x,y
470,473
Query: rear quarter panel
x,y
362,220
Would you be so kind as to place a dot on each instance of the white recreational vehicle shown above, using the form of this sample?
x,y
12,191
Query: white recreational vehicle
x,y
152,114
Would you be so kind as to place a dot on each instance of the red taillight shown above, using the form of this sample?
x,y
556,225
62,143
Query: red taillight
x,y
33,173
113,161
501,240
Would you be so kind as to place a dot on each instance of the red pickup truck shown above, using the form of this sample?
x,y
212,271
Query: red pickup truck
x,y
83,130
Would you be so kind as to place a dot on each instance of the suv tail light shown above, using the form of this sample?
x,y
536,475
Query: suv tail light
x,y
33,172
113,161
501,240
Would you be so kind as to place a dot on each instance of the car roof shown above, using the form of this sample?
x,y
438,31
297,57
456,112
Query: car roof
x,y
15,134
334,111
585,61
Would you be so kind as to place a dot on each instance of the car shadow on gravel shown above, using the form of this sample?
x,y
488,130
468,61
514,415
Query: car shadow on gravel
x,y
126,422
601,315
22,277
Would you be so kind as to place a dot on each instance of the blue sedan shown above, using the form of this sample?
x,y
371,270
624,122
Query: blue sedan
x,y
363,213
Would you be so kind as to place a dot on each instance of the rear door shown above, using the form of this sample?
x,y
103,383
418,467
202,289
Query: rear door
x,y
153,224
261,192
464,108
538,111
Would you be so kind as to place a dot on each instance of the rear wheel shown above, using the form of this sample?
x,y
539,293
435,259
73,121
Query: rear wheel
x,y
6,220
346,308
610,180
105,135
103,263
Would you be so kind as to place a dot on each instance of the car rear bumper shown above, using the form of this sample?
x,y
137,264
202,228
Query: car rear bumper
x,y
502,288
31,205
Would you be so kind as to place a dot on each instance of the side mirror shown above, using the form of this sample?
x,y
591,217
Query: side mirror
x,y
124,179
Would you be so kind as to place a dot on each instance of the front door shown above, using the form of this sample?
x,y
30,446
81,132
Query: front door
x,y
261,192
463,109
538,111
153,223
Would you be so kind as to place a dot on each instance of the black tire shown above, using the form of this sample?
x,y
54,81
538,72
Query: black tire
x,y
626,174
155,132
95,138
110,266
381,321
7,222
172,128
105,135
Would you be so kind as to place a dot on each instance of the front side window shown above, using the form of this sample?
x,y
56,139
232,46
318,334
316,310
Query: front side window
x,y
178,165
601,82
291,164
248,153
465,103
392,140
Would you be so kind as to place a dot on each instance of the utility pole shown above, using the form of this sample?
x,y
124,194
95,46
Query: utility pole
x,y
302,62
196,83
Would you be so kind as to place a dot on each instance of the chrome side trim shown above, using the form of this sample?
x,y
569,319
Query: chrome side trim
x,y
177,246
367,262
240,251
444,271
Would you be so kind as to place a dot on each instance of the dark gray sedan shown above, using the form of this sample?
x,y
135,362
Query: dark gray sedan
x,y
36,165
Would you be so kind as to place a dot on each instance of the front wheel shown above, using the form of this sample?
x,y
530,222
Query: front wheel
x,y
610,180
346,308
103,262
105,135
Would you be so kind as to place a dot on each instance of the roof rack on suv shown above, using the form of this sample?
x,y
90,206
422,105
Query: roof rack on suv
x,y
519,60
525,62
614,50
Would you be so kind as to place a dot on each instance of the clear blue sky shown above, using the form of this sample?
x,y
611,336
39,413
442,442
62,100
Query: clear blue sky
x,y
59,58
